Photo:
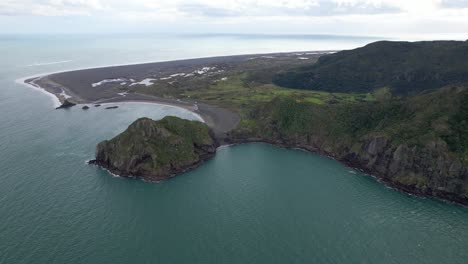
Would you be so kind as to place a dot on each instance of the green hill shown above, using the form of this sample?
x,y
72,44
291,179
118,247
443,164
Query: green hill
x,y
416,143
405,67
155,150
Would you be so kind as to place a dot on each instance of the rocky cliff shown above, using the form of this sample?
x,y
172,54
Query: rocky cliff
x,y
429,170
424,170
155,150
416,144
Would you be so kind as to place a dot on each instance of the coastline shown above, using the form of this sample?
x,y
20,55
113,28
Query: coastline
x,y
24,81
221,120
57,100
78,85
117,174
205,113
355,166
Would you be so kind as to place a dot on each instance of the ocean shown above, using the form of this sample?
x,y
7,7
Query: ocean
x,y
252,203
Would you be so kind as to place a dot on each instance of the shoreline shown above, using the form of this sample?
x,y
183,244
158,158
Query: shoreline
x,y
23,81
221,120
79,86
28,79
57,101
173,174
368,173
194,108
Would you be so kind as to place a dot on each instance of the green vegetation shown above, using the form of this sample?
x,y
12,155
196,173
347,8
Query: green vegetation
x,y
172,138
418,120
417,142
292,117
156,149
457,137
406,68
395,109
398,110
236,92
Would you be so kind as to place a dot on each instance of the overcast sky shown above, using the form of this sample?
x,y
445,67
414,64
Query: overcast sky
x,y
390,18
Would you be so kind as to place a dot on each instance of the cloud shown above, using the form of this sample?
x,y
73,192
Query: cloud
x,y
454,3
359,17
250,8
49,7
201,10
223,8
197,8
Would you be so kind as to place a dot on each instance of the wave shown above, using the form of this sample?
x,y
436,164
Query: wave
x,y
47,63
36,87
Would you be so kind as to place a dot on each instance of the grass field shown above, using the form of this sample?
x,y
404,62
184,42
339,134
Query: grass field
x,y
236,93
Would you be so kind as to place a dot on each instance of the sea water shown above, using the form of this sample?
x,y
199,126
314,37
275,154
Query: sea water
x,y
252,203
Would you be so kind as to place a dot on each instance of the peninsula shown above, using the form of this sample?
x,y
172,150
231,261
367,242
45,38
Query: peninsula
x,y
396,110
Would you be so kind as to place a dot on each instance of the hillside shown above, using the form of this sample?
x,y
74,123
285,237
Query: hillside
x,y
418,143
154,150
405,67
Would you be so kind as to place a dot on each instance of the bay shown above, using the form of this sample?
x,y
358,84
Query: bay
x,y
252,203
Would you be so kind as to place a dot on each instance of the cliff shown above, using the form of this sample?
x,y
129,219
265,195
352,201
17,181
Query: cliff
x,y
401,115
155,150
417,144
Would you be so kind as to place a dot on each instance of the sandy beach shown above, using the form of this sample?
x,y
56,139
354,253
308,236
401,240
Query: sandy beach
x,y
98,85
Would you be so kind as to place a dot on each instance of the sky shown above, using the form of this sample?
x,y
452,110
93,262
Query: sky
x,y
410,19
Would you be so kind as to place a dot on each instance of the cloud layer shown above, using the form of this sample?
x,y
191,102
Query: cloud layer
x,y
350,16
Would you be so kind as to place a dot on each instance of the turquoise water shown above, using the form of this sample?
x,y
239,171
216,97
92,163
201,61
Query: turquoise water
x,y
252,203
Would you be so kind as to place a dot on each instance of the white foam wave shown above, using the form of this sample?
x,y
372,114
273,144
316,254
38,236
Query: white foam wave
x,y
47,63
36,87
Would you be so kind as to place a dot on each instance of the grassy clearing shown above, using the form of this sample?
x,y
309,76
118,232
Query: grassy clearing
x,y
236,93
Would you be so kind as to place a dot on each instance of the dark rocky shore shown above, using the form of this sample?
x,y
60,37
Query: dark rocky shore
x,y
430,170
156,150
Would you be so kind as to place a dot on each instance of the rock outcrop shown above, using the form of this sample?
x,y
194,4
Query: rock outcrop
x,y
66,104
155,150
429,170
418,145
112,107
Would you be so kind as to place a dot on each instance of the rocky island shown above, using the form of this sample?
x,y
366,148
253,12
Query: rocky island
x,y
156,150
396,110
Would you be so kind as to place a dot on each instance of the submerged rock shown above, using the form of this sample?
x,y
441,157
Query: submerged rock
x,y
66,104
97,105
156,150
112,107
85,107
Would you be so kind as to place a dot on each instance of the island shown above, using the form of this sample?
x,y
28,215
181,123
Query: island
x,y
156,150
395,110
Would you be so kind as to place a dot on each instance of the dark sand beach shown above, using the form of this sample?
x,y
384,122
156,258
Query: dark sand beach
x,y
77,86
98,85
